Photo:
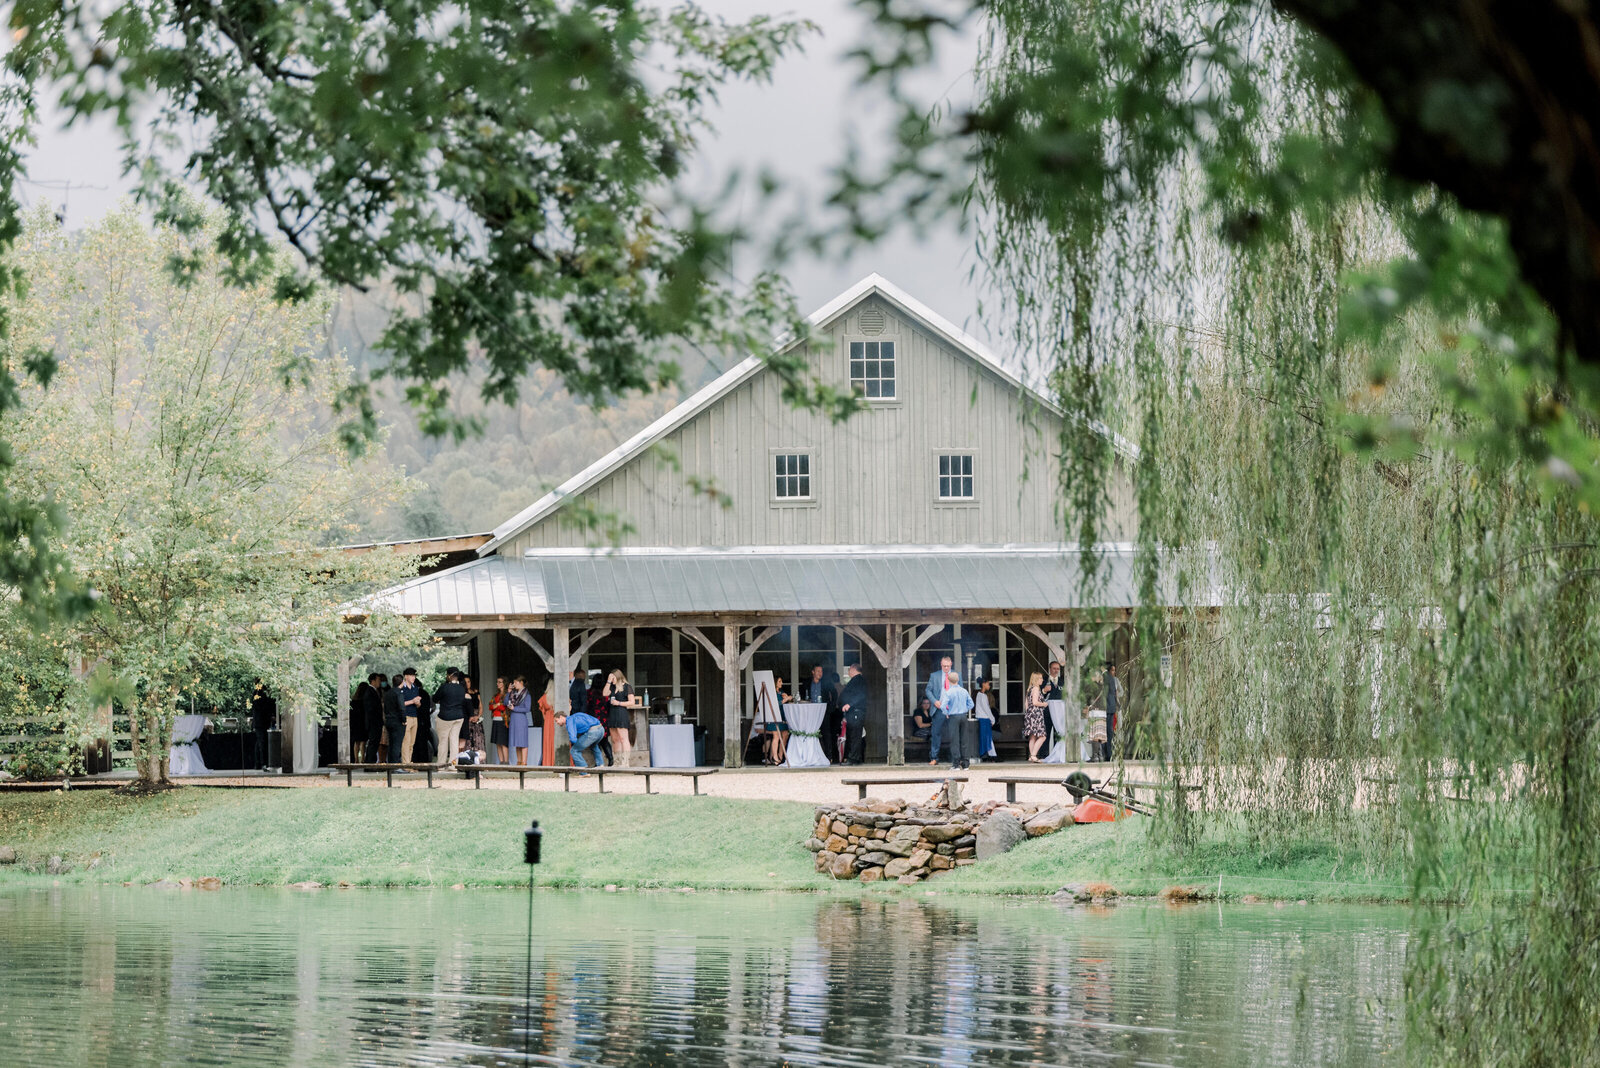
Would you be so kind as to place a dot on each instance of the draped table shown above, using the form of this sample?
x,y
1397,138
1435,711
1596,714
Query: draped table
x,y
805,734
1058,719
184,756
671,745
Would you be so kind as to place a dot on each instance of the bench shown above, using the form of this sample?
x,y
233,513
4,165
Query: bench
x,y
601,773
388,770
521,771
1011,782
861,784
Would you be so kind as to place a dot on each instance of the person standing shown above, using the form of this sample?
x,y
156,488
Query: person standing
x,y
411,702
472,733
499,730
547,725
935,695
600,709
584,732
981,701
451,704
1033,716
619,719
358,721
853,703
520,703
263,717
394,720
957,703
1052,692
1113,697
372,708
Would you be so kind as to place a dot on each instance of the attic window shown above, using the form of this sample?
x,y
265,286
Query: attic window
x,y
872,369
792,474
955,476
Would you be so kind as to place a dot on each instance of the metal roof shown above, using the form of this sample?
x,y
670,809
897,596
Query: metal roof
x,y
846,582
872,285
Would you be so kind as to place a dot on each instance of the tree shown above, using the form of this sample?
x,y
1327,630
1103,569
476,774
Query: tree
x,y
203,491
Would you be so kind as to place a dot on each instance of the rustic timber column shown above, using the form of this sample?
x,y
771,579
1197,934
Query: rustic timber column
x,y
732,744
560,668
341,710
896,737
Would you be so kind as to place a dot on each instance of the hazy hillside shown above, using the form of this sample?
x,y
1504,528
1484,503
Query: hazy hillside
x,y
524,450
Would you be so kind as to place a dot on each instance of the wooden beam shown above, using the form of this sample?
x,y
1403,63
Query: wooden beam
x,y
341,711
911,650
588,639
732,714
756,643
560,668
895,736
1057,653
866,639
544,655
696,635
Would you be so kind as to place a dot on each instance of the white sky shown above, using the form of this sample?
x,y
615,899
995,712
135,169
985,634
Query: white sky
x,y
798,127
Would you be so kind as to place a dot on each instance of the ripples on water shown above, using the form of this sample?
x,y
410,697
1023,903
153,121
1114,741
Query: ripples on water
x,y
136,977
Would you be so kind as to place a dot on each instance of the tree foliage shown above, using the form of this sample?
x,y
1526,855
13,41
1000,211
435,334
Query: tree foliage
x,y
203,491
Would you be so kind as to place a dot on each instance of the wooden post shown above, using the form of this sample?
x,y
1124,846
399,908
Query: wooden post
x,y
341,710
732,742
561,661
896,736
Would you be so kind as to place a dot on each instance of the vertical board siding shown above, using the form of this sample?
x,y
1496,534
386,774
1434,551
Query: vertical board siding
x,y
873,476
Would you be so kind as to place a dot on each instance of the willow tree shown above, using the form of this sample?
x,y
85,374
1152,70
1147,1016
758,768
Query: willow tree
x,y
1361,429
203,492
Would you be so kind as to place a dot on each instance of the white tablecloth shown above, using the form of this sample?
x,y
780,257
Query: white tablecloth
x,y
805,752
1058,718
184,757
671,745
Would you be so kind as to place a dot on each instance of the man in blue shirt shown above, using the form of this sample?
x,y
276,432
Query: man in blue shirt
x,y
935,695
410,692
957,703
584,732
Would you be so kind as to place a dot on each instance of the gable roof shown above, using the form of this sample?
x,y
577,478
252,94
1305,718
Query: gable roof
x,y
746,369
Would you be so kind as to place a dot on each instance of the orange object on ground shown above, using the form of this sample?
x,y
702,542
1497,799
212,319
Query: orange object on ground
x,y
548,714
1093,810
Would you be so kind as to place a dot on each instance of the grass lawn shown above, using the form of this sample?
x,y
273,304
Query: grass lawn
x,y
419,838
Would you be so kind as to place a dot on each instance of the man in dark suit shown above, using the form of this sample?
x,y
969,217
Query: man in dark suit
x,y
372,702
577,691
394,720
263,717
853,703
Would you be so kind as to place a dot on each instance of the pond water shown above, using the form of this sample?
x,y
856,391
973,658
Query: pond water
x,y
137,976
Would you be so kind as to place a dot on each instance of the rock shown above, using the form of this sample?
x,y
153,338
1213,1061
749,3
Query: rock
x,y
1250,899
861,830
1076,891
840,828
947,833
8,855
814,845
871,875
966,853
836,844
945,849
1049,821
875,859
853,840
56,866
824,827
822,861
842,868
209,882
887,808
185,883
453,886
880,832
962,862
997,834
310,884
907,880
1178,894
920,857
941,863
164,884
965,840
919,873
897,867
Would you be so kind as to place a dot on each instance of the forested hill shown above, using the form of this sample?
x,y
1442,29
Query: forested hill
x,y
524,451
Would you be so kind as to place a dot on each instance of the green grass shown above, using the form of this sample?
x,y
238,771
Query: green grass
x,y
419,838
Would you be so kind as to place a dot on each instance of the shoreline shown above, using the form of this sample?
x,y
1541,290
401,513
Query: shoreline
x,y
632,842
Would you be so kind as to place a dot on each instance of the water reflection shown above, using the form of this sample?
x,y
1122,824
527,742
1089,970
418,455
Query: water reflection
x,y
143,977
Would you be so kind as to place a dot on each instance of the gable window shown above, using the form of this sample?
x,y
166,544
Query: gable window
x,y
955,476
792,476
872,369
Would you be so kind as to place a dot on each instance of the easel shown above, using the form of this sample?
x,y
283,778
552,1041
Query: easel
x,y
765,705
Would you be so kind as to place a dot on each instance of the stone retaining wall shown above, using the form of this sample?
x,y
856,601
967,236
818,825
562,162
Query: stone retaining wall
x,y
874,840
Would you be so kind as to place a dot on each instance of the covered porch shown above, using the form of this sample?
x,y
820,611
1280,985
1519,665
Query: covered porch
x,y
690,626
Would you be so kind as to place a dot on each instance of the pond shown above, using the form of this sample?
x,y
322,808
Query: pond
x,y
139,976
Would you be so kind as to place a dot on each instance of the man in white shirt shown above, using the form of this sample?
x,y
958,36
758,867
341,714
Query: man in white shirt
x,y
935,695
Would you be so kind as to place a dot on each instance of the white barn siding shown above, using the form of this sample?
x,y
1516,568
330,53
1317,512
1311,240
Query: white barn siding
x,y
873,476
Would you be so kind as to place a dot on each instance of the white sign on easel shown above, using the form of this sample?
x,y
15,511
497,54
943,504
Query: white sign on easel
x,y
764,700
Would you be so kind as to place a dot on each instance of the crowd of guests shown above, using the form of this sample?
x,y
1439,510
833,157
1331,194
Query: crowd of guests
x,y
398,721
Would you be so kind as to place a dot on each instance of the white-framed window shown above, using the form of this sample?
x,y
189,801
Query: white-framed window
x,y
955,476
791,476
872,369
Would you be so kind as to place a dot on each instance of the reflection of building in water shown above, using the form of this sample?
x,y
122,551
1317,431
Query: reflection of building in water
x,y
759,536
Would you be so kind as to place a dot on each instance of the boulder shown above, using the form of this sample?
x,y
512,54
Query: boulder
x,y
997,834
947,833
880,832
871,875
56,866
164,884
839,827
896,868
209,882
920,857
966,852
836,844
842,868
887,808
8,855
962,862
861,830
876,859
824,827
945,849
965,840
907,880
814,845
941,863
822,861
1048,822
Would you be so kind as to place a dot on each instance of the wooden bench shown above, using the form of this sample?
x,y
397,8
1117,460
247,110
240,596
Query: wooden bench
x,y
601,773
1011,782
861,784
388,770
521,771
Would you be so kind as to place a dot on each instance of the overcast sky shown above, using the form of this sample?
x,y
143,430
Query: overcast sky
x,y
797,127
